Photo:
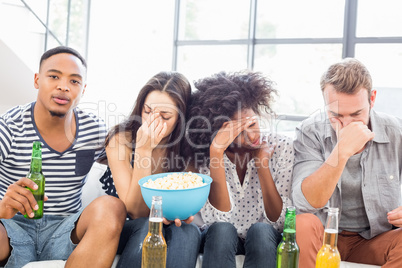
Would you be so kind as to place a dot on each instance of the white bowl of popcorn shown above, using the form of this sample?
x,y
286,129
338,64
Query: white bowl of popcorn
x,y
183,193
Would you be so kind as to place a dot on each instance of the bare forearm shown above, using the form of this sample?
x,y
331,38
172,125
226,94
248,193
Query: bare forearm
x,y
218,195
319,186
272,200
134,201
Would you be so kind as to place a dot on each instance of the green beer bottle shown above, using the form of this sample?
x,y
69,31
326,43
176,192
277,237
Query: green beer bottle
x,y
35,174
287,253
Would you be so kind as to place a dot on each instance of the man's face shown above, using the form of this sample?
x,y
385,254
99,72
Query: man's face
x,y
61,83
347,108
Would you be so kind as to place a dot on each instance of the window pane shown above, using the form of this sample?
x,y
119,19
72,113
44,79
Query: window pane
x,y
214,20
379,18
298,19
199,61
78,25
39,7
296,70
52,42
384,62
58,19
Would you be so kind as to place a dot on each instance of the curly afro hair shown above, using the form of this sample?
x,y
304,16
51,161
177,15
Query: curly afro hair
x,y
216,101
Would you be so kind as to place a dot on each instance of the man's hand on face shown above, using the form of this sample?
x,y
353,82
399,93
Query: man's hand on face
x,y
352,138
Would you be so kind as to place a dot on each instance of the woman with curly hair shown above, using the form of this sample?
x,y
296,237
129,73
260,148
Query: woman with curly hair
x,y
251,171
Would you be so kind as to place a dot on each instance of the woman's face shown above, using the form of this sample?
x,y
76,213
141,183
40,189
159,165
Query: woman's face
x,y
250,137
160,102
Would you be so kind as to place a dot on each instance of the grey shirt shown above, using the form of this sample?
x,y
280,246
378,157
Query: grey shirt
x,y
381,165
353,215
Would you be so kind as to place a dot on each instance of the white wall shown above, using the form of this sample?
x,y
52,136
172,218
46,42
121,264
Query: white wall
x,y
20,50
129,42
17,80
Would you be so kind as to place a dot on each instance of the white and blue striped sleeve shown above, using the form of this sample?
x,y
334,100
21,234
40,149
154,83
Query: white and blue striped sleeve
x,y
5,139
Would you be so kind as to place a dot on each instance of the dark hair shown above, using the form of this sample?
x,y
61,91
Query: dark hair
x,y
216,101
179,89
60,50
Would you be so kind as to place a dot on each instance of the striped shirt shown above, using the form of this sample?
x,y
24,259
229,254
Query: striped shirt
x,y
65,172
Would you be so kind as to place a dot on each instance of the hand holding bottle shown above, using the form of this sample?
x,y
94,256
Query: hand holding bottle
x,y
27,194
35,174
19,199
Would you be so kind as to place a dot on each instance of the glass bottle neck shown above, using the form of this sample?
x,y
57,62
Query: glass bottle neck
x,y
155,226
289,228
36,165
331,238
289,235
331,228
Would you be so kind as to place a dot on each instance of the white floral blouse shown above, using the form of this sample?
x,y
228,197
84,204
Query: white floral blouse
x,y
247,206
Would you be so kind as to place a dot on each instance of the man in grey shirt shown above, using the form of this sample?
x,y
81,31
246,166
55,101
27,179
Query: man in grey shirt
x,y
350,157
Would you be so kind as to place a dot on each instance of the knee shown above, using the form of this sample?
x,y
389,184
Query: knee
x,y
309,231
225,230
308,223
109,211
4,245
220,237
261,230
187,237
191,229
264,235
222,231
260,227
397,238
189,232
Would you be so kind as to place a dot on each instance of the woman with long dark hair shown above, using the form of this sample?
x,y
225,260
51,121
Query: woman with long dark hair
x,y
148,142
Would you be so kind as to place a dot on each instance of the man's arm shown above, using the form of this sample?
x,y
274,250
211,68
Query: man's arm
x,y
318,187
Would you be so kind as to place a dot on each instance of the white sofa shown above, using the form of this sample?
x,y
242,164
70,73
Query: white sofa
x,y
93,189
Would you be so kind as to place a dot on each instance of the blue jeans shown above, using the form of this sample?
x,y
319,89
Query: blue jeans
x,y
220,244
48,238
183,244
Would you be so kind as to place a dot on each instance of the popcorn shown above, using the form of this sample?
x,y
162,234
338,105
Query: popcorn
x,y
176,181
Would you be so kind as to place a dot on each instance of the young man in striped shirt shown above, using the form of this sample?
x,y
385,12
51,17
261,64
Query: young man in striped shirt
x,y
71,141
